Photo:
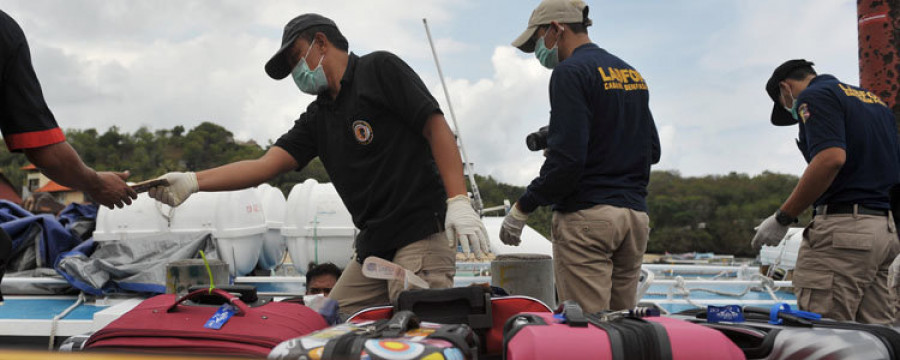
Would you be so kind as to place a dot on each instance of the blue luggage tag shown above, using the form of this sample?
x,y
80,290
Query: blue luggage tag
x,y
729,313
225,312
786,309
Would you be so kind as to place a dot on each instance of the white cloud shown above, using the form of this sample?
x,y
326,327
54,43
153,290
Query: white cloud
x,y
718,107
166,63
495,115
179,62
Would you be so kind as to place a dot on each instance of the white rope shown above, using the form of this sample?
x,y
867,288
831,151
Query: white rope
x,y
55,321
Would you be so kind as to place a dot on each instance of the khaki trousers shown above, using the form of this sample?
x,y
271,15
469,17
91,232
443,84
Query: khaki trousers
x,y
842,268
431,258
597,255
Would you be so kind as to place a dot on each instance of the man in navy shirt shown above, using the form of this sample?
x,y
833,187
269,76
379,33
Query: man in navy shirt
x,y
600,145
387,149
849,139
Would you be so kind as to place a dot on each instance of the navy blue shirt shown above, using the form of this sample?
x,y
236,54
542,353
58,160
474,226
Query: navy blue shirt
x,y
602,138
370,140
834,114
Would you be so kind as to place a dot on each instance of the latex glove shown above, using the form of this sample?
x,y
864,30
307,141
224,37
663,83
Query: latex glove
x,y
769,232
463,224
181,186
511,230
894,273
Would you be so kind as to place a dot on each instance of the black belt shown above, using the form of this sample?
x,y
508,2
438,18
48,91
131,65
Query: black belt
x,y
848,209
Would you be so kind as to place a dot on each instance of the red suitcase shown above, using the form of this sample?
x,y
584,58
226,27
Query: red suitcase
x,y
163,324
573,336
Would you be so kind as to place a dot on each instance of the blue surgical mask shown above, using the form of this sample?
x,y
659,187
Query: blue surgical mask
x,y
548,57
310,81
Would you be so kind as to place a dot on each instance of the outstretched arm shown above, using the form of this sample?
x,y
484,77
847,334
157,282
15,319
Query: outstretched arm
x,y
247,173
233,176
62,164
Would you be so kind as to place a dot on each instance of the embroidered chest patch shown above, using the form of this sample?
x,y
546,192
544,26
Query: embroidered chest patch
x,y
362,131
803,111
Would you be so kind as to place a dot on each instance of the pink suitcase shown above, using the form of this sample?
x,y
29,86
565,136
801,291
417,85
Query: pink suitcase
x,y
572,335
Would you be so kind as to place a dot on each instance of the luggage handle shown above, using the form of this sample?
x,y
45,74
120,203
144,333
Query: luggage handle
x,y
572,313
247,293
242,308
473,297
786,318
780,309
399,324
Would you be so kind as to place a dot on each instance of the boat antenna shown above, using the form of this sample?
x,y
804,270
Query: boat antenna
x,y
466,164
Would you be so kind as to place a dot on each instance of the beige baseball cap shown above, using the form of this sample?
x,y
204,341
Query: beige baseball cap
x,y
562,11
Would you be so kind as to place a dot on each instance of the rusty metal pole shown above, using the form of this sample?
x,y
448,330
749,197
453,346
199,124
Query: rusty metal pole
x,y
879,49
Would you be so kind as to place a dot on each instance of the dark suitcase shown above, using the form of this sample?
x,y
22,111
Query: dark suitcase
x,y
572,335
166,324
401,337
781,333
472,306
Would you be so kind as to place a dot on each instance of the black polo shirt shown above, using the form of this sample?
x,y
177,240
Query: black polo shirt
x,y
25,120
370,140
834,114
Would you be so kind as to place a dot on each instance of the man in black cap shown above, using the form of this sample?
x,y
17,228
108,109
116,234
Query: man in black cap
x,y
387,149
849,139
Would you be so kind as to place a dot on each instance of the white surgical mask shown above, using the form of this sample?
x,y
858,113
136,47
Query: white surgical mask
x,y
547,57
310,81
793,108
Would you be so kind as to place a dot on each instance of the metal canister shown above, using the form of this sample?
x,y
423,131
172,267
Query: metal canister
x,y
525,274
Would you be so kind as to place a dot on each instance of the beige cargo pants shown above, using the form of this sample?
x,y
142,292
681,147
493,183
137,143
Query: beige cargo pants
x,y
597,256
842,268
431,258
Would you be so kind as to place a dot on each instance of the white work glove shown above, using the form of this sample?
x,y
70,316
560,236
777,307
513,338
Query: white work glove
x,y
463,224
769,232
894,273
181,186
511,230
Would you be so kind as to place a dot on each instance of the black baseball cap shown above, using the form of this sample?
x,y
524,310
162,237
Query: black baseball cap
x,y
277,67
780,116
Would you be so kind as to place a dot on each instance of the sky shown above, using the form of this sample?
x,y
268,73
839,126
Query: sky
x,y
163,63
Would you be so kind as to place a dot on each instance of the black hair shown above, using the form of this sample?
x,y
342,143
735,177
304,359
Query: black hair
x,y
331,33
322,269
578,28
801,73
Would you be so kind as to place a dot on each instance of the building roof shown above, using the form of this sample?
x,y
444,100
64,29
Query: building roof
x,y
29,167
7,190
52,186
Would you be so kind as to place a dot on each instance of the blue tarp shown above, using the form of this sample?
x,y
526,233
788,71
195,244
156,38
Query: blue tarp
x,y
65,244
49,236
